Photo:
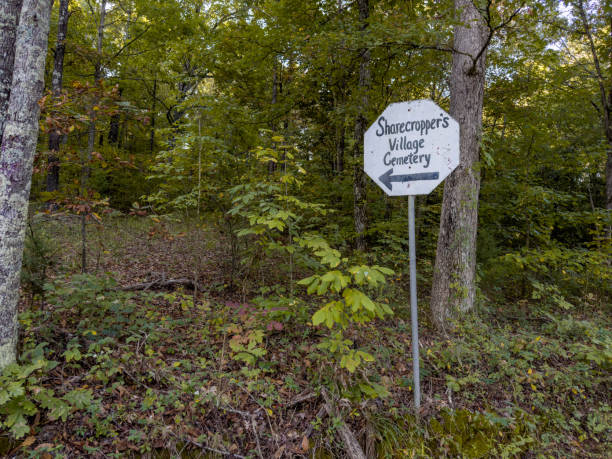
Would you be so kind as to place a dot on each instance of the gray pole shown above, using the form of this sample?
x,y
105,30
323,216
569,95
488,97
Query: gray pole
x,y
413,306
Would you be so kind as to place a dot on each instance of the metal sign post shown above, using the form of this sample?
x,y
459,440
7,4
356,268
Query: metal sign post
x,y
409,150
414,316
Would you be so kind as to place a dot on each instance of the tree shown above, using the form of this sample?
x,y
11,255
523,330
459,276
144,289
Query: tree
x,y
91,135
359,177
9,17
454,272
16,160
605,89
56,88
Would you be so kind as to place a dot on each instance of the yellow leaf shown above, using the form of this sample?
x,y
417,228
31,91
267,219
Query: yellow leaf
x,y
533,387
529,371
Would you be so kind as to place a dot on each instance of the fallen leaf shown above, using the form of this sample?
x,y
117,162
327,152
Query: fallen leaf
x,y
28,442
279,452
305,444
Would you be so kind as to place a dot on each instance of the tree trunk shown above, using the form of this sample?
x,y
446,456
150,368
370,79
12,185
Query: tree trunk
x,y
56,86
272,164
16,160
9,18
340,146
359,177
113,131
153,117
605,97
91,138
454,286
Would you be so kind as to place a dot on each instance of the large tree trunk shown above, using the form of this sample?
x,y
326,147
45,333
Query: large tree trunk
x,y
56,86
359,177
454,273
16,160
9,18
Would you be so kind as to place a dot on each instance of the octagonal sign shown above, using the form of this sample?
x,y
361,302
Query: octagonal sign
x,y
411,148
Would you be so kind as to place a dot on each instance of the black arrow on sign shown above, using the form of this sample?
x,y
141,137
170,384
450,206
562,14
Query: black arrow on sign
x,y
388,179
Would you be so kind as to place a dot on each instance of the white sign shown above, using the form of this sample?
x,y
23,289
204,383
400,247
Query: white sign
x,y
411,148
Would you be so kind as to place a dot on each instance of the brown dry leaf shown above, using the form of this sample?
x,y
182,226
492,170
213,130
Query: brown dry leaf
x,y
279,452
305,444
28,442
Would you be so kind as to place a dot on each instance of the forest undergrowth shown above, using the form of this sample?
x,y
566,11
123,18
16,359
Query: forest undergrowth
x,y
123,362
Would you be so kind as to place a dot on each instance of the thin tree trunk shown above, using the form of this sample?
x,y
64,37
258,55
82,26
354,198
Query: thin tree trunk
x,y
56,87
9,18
272,164
16,160
340,101
91,138
454,286
113,131
153,117
340,147
359,177
199,162
606,99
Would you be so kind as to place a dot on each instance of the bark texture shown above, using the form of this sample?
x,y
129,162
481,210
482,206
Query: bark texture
x,y
359,177
454,286
56,86
9,18
16,159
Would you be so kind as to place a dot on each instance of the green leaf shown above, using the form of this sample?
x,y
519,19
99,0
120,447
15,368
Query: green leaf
x,y
308,280
322,287
368,303
319,317
59,409
313,287
79,398
349,363
383,270
18,425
